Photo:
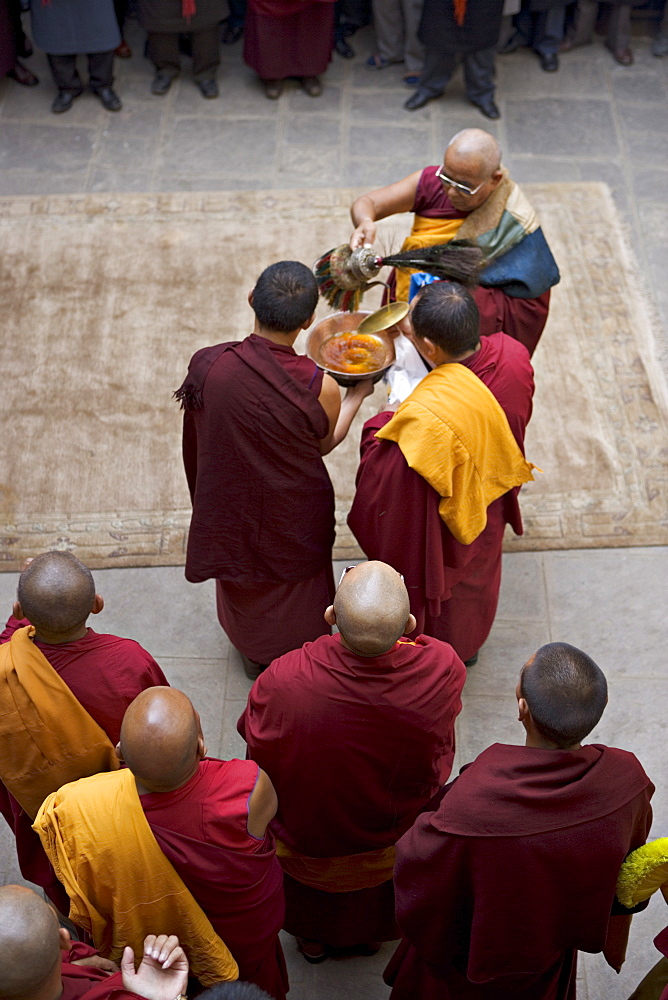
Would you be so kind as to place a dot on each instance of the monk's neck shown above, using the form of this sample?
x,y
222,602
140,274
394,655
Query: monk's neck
x,y
143,789
275,336
62,637
538,743
448,359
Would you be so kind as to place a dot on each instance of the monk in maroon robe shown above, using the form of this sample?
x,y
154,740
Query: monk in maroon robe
x,y
210,819
105,673
257,420
453,587
513,867
356,732
289,38
466,197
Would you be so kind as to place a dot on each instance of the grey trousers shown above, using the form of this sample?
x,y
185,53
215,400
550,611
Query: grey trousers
x,y
619,25
396,24
478,72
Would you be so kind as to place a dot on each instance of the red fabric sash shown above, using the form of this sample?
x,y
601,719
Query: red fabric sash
x,y
460,11
188,9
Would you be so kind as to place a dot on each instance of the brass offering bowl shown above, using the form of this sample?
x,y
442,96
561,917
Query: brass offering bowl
x,y
347,322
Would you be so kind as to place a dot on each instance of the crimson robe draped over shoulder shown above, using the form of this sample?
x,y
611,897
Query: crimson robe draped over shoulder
x,y
105,673
395,518
236,878
354,746
263,502
513,870
78,980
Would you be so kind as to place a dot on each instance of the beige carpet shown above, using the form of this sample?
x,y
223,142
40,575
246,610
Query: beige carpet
x,y
105,297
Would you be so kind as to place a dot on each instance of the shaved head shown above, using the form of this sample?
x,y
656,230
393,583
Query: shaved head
x,y
29,942
56,592
371,608
565,691
477,148
160,738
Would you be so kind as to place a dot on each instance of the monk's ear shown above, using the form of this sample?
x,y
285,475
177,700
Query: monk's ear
x,y
410,625
523,711
250,297
201,749
308,323
330,615
98,604
119,753
17,610
65,941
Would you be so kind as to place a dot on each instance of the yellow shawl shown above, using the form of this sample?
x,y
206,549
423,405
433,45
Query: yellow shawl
x,y
453,432
46,737
121,886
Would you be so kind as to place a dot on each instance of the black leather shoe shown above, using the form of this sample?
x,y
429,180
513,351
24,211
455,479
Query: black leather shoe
x,y
344,50
63,101
231,33
419,99
488,107
549,62
208,88
161,84
109,99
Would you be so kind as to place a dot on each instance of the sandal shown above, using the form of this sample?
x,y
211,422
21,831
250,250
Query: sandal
x,y
377,61
312,86
273,89
313,951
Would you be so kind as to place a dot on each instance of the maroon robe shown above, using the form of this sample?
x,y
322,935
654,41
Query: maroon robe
x,y
7,41
79,979
236,878
105,673
522,319
354,747
453,588
263,502
513,870
284,38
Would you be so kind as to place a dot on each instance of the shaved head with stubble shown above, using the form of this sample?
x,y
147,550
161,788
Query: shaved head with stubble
x,y
371,609
56,592
478,147
30,944
161,739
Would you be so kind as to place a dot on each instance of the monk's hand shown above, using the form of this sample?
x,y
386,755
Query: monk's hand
x,y
363,235
97,962
360,390
163,972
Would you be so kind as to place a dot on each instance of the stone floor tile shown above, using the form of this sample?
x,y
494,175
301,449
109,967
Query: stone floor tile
x,y
321,132
33,104
522,76
247,148
412,139
484,720
542,169
137,118
109,179
167,180
162,611
644,85
231,744
125,151
389,78
53,148
523,594
368,172
204,681
611,603
342,978
29,182
559,127
650,183
299,102
509,646
306,169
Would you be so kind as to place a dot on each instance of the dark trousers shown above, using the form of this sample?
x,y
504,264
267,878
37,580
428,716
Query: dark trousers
x,y
543,31
121,9
237,14
163,51
66,76
478,72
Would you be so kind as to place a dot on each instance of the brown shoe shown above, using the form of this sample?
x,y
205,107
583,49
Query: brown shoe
x,y
312,86
123,51
22,75
623,56
273,89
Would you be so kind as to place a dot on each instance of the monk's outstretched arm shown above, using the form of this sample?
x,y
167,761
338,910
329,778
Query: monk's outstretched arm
x,y
369,208
340,413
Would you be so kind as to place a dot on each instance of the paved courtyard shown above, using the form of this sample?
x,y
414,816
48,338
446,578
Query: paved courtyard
x,y
593,120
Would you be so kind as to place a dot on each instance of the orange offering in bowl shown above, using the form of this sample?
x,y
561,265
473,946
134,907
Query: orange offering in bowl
x,y
353,353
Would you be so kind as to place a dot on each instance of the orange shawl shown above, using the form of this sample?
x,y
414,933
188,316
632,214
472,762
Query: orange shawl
x,y
46,737
121,886
346,873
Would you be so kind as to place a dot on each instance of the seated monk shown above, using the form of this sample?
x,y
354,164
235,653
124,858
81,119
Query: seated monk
x,y
356,732
439,479
38,961
471,197
204,824
61,671
512,868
